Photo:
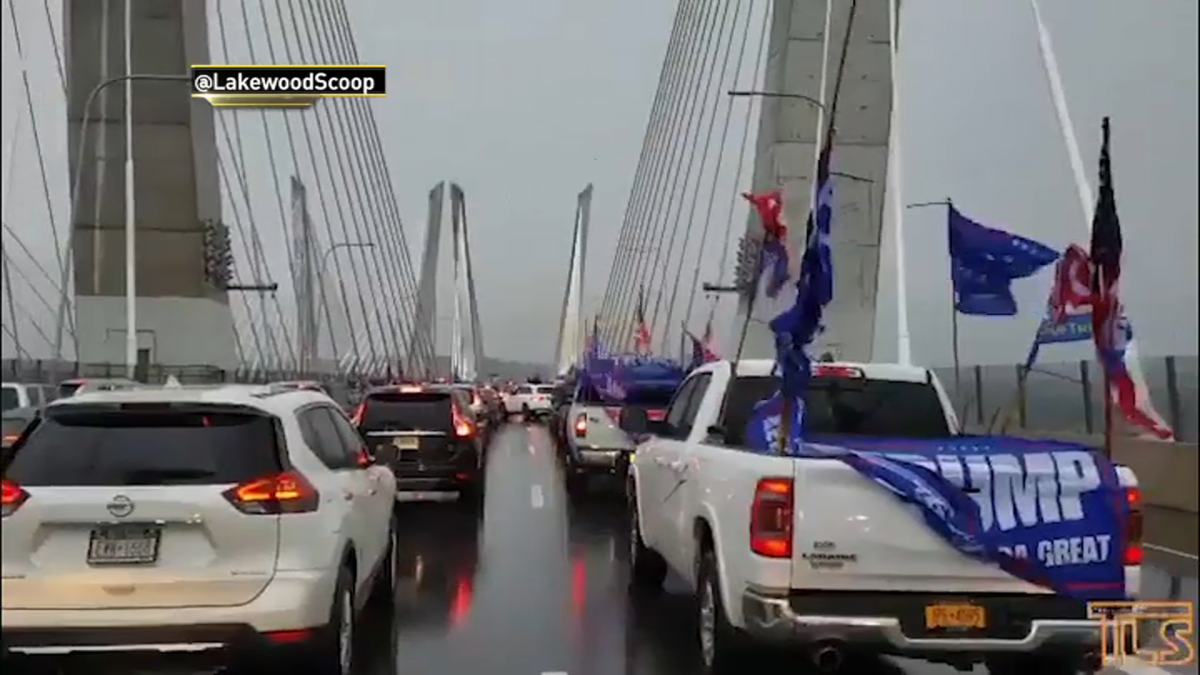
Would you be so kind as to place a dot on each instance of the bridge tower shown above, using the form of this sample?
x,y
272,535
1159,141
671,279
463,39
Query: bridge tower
x,y
805,50
571,329
184,316
466,336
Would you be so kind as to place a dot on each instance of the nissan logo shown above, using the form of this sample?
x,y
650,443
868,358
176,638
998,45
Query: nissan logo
x,y
120,506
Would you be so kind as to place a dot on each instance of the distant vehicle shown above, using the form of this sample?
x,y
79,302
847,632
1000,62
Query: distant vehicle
x,y
14,422
21,395
594,443
428,437
531,401
82,385
250,521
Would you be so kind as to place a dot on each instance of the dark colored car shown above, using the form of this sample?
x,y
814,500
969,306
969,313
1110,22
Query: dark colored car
x,y
427,436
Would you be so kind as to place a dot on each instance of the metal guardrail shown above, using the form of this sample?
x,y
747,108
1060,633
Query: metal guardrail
x,y
1067,396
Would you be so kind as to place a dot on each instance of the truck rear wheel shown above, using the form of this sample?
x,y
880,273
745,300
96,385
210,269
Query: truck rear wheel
x,y
647,569
721,645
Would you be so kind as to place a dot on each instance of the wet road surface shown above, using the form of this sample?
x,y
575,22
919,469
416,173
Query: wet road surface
x,y
535,585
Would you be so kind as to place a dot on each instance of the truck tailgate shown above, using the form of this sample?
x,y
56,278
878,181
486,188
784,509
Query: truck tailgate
x,y
850,533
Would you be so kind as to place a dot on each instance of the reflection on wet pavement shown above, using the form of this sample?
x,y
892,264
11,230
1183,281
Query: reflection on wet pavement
x,y
534,585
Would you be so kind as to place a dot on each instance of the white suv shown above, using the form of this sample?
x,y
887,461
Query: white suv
x,y
228,525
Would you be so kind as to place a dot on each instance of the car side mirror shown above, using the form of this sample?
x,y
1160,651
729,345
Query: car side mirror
x,y
366,458
635,421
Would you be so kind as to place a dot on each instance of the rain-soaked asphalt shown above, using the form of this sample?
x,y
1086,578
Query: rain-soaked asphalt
x,y
535,585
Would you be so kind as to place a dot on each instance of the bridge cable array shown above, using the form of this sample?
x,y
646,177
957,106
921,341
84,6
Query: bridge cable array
x,y
356,205
666,194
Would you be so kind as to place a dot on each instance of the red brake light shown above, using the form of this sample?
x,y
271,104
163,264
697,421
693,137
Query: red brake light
x,y
462,426
364,458
581,425
411,389
286,492
1133,527
12,496
475,400
771,518
462,600
11,438
357,417
838,371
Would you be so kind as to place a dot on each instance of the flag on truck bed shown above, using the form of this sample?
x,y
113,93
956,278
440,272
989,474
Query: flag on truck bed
x,y
797,326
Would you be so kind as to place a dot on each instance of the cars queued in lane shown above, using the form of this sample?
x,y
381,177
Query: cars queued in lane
x,y
223,524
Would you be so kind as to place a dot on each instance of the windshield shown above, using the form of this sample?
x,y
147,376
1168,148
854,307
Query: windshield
x,y
11,398
524,390
145,447
847,406
407,412
68,389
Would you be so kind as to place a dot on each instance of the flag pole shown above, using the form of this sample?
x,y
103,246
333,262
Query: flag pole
x,y
954,341
1108,417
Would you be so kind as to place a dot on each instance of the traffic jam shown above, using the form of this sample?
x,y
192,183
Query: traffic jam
x,y
230,528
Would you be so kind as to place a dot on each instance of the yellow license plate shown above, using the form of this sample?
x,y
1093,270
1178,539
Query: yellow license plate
x,y
404,443
632,456
955,616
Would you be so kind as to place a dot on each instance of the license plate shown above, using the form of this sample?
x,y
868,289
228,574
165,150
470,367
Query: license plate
x,y
406,443
124,545
955,616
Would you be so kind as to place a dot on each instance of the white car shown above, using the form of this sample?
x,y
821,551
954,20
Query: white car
x,y
225,524
807,552
531,398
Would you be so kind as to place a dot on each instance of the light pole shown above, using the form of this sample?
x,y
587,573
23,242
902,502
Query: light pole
x,y
325,257
77,190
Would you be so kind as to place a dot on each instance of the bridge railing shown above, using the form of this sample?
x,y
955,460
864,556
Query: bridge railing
x,y
50,371
1067,397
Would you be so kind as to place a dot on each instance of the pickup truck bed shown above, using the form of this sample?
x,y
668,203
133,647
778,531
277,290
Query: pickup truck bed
x,y
808,551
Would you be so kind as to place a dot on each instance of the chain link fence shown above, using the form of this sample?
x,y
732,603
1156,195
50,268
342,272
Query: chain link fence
x,y
1067,396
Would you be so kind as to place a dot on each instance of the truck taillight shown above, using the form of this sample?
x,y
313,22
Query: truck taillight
x,y
12,496
771,518
581,426
284,492
1133,526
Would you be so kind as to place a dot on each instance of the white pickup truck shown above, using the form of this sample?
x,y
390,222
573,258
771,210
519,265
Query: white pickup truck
x,y
806,552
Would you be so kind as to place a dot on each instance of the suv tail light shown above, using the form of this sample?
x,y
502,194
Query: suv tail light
x,y
581,425
462,426
771,518
12,496
1133,526
284,492
357,417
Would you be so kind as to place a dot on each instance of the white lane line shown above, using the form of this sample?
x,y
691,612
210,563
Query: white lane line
x,y
536,498
555,672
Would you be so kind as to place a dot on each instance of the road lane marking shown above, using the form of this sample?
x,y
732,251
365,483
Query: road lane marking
x,y
536,497
555,672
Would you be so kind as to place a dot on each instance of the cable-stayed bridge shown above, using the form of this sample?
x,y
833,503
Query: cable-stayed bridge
x,y
267,241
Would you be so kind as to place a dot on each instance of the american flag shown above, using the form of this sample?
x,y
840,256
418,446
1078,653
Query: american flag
x,y
1110,329
641,337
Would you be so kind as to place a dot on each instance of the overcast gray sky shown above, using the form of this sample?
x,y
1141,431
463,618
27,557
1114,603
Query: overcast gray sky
x,y
524,102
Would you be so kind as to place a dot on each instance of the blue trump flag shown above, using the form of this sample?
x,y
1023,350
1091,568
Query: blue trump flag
x,y
984,262
1046,512
797,326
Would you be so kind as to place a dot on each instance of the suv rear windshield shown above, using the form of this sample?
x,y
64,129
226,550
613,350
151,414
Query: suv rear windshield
x,y
524,390
143,446
429,411
847,406
11,398
68,389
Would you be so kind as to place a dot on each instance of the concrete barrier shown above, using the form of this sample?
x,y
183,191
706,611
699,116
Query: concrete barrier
x,y
1169,474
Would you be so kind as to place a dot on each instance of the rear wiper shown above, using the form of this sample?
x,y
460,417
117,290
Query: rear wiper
x,y
154,476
